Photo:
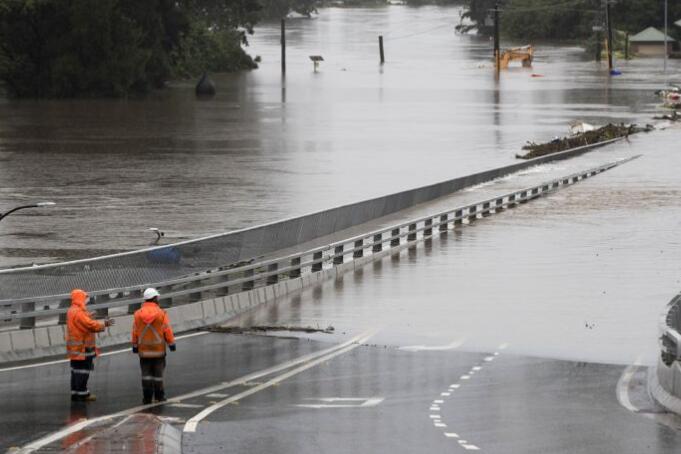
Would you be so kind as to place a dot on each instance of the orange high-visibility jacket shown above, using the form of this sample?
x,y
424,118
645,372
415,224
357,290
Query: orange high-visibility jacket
x,y
151,331
81,328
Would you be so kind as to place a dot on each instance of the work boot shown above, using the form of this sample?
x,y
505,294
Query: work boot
x,y
146,401
89,398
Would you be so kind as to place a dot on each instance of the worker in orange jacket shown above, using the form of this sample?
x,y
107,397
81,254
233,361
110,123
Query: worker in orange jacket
x,y
80,344
151,332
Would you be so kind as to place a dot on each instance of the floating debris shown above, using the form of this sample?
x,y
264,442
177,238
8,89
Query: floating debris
x,y
261,329
674,116
671,96
593,137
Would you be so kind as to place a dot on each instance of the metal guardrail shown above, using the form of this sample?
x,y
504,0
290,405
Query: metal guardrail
x,y
229,279
186,258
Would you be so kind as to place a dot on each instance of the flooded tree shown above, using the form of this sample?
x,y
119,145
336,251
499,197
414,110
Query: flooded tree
x,y
65,48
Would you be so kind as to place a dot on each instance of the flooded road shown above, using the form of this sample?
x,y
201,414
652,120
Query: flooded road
x,y
583,274
266,147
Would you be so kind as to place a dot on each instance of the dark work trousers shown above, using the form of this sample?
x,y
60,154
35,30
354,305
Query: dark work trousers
x,y
80,373
152,378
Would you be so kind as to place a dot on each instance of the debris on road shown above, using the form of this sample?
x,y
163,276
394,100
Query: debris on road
x,y
674,116
261,329
588,137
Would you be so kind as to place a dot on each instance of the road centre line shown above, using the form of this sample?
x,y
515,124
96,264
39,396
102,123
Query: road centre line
x,y
66,431
193,422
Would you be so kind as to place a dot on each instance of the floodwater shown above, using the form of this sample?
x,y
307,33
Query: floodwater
x,y
583,274
266,147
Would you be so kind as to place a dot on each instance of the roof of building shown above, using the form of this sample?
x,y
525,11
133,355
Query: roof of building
x,y
650,35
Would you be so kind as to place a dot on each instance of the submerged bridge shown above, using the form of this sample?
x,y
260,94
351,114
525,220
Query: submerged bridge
x,y
365,399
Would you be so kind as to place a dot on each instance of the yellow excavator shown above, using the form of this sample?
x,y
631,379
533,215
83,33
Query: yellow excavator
x,y
523,54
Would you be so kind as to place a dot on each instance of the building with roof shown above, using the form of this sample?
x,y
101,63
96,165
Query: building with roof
x,y
650,43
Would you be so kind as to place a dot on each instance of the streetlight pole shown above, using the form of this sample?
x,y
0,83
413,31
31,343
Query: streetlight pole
x,y
35,205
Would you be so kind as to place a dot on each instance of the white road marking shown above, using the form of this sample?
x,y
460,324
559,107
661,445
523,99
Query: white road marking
x,y
181,405
496,353
623,387
489,358
503,346
416,348
114,352
451,435
217,395
439,424
439,401
445,394
349,402
465,377
435,416
471,447
477,368
66,431
434,408
457,386
193,422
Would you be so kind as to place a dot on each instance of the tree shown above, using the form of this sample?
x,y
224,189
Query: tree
x,y
60,48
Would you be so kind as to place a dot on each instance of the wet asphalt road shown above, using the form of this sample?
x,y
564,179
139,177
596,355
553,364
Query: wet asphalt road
x,y
496,403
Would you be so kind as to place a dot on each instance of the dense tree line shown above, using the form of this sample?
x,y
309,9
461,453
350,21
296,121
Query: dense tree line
x,y
63,48
566,19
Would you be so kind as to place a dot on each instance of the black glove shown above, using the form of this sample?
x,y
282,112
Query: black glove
x,y
135,350
172,347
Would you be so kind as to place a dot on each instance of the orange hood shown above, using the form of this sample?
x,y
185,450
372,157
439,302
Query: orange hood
x,y
149,312
78,297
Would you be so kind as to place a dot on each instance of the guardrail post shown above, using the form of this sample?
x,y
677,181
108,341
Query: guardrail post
x,y
272,278
499,205
165,302
338,255
458,217
359,249
248,285
523,197
318,265
511,200
545,188
102,312
535,193
378,243
566,181
133,307
295,272
428,231
64,304
472,213
395,234
222,291
412,233
556,184
443,223
28,322
486,209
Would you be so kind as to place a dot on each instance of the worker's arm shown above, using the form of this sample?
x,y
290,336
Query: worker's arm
x,y
135,336
89,324
168,332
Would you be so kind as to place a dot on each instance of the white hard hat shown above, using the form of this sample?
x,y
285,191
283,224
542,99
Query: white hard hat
x,y
150,294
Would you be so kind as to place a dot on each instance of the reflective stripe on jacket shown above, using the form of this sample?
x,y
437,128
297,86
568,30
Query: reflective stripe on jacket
x,y
151,331
81,329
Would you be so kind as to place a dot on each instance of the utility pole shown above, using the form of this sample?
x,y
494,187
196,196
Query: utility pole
x,y
497,50
608,19
666,30
283,46
380,49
